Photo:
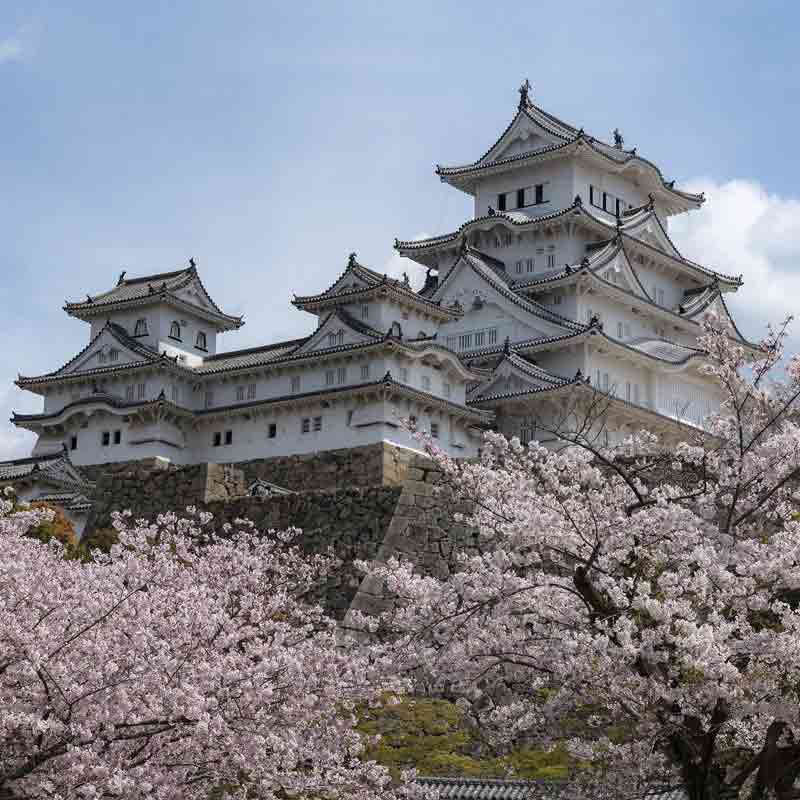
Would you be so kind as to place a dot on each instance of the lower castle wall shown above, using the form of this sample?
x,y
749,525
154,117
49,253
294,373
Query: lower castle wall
x,y
406,518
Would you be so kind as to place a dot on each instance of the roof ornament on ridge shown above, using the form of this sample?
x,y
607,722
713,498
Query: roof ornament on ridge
x,y
618,139
121,277
524,95
192,264
351,259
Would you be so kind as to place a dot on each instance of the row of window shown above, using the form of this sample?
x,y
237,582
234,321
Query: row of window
x,y
108,437
200,342
466,341
111,356
520,198
607,201
529,264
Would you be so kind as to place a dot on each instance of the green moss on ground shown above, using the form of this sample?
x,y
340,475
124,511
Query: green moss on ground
x,y
434,737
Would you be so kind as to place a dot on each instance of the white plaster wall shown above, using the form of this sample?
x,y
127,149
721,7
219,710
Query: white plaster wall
x,y
555,175
619,185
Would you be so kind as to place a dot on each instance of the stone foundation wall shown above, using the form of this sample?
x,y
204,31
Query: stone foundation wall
x,y
407,517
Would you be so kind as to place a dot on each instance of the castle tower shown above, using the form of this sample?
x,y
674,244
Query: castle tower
x,y
570,282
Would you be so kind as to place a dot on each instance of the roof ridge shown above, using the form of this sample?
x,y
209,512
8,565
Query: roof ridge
x,y
257,349
155,276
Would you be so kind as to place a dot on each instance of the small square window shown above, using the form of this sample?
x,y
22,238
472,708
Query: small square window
x,y
73,442
306,425
141,390
317,423
117,437
106,439
228,437
272,431
217,439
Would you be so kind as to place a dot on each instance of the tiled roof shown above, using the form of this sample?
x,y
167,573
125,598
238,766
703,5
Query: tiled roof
x,y
494,789
664,350
136,289
251,357
55,468
370,280
500,789
567,136
473,259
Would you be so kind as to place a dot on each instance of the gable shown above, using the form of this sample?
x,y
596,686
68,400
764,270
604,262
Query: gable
x,y
483,305
524,135
651,232
336,331
509,378
619,272
106,350
194,294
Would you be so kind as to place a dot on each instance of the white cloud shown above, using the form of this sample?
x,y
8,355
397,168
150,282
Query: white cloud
x,y
397,265
12,49
743,229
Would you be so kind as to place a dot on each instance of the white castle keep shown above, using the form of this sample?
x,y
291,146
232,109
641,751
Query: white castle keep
x,y
564,283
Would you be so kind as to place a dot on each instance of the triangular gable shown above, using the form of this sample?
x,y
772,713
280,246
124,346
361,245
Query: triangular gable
x,y
650,230
107,349
514,375
616,268
338,329
470,277
194,294
523,135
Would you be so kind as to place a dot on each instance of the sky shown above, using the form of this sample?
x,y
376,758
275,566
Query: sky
x,y
269,139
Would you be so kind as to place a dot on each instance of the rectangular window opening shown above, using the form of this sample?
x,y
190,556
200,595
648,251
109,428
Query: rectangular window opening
x,y
272,430
228,437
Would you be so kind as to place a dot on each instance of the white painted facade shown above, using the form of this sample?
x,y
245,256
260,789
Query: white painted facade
x,y
564,281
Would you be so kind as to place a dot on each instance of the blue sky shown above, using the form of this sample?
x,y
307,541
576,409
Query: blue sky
x,y
268,140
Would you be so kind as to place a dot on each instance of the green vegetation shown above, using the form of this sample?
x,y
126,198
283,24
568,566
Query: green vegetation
x,y
434,737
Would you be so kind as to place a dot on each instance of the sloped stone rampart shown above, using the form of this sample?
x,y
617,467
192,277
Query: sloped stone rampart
x,y
406,517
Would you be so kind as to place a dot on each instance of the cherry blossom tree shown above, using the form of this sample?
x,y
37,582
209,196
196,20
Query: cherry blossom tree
x,y
641,600
180,665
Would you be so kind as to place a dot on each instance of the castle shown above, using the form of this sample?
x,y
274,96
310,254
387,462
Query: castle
x,y
564,283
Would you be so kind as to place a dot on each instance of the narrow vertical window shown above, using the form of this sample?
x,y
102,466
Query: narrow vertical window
x,y
239,394
317,423
175,330
364,372
272,430
106,439
228,437
200,342
296,383
251,391
141,390
130,393
306,425
364,311
619,330
209,399
529,264
434,430
73,442
591,194
520,198
501,202
539,193
117,437
341,374
330,377
217,439
519,267
628,391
